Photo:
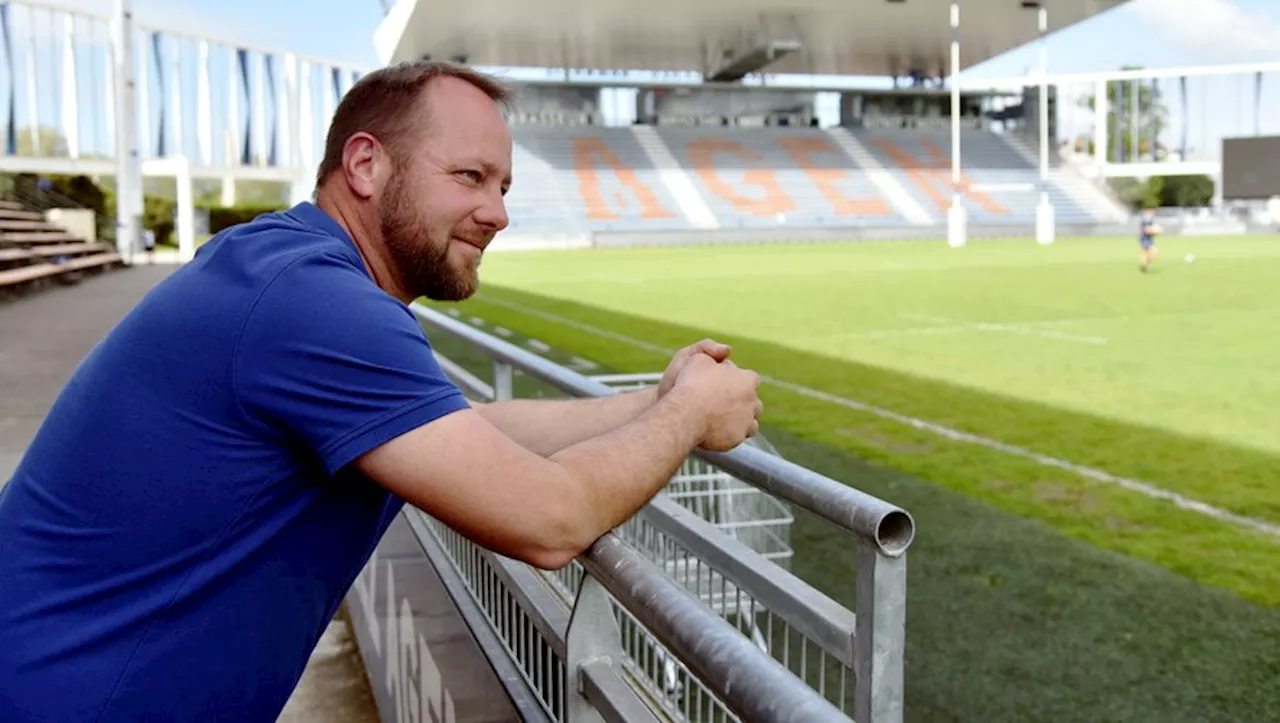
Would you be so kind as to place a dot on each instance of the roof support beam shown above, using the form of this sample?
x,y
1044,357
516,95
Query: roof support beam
x,y
736,55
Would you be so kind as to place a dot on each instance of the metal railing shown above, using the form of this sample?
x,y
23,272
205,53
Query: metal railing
x,y
686,612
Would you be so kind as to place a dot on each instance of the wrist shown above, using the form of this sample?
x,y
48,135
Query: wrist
x,y
651,396
684,406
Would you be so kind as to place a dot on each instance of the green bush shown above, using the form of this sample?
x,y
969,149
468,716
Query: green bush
x,y
158,215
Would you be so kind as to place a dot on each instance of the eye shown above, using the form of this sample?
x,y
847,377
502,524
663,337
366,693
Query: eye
x,y
473,176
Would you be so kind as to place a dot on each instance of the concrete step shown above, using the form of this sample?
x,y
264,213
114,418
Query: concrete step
x,y
53,235
21,214
10,224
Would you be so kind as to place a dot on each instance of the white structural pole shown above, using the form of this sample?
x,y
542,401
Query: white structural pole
x,y
957,232
258,134
70,87
1101,134
175,100
1044,211
33,105
185,210
128,165
233,139
204,106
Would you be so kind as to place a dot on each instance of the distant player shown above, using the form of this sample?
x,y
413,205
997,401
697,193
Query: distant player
x,y
1147,238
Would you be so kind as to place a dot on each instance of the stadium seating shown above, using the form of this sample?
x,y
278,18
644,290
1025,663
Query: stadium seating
x,y
575,179
772,176
33,250
1000,185
587,177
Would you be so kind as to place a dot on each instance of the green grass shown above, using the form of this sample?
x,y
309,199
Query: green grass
x,y
1010,620
1164,378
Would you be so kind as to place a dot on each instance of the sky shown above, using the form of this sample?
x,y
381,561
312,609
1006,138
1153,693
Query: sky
x,y
1150,33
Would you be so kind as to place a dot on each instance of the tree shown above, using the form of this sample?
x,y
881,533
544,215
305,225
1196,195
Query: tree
x,y
1187,191
1150,118
49,142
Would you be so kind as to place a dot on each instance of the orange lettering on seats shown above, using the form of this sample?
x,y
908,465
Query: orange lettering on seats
x,y
591,152
930,174
801,151
911,167
775,201
966,186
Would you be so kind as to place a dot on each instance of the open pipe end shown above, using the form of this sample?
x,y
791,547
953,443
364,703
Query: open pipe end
x,y
895,532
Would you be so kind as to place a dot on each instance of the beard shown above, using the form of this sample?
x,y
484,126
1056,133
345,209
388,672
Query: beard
x,y
422,262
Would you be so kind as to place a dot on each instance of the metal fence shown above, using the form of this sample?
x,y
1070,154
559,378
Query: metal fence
x,y
688,611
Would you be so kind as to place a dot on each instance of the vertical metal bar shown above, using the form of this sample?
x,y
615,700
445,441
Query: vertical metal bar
x,y
204,104
128,165
70,87
1044,99
957,217
232,131
179,141
592,635
881,636
33,106
258,134
955,97
1101,121
503,376
1135,118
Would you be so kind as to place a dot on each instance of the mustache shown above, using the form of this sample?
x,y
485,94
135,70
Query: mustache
x,y
475,238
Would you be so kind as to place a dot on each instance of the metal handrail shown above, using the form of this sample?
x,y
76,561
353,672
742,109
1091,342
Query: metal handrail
x,y
868,642
752,684
888,527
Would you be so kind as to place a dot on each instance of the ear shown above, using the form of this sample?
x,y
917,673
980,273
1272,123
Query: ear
x,y
363,158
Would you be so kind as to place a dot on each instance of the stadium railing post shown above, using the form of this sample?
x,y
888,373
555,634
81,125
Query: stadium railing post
x,y
593,639
503,378
879,655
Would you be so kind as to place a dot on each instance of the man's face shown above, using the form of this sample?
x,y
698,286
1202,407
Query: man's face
x,y
444,204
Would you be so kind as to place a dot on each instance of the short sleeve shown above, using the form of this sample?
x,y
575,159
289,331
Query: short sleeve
x,y
328,358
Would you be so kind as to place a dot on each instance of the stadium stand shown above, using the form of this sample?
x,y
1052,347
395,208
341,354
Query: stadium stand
x,y
767,176
33,250
584,178
587,177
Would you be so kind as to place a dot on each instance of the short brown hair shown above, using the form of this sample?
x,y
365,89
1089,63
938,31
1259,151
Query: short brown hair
x,y
382,102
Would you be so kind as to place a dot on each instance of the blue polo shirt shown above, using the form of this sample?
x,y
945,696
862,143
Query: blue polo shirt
x,y
186,521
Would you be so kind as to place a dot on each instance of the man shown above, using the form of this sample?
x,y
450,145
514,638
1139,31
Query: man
x,y
1147,232
149,245
221,466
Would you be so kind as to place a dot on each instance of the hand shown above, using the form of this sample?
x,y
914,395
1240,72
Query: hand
x,y
725,396
713,349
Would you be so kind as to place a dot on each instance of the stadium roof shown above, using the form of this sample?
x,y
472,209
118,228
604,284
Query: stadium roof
x,y
818,37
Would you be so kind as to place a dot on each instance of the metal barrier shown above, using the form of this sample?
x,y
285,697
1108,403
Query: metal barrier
x,y
687,612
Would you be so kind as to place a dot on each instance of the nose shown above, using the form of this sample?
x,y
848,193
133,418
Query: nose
x,y
492,214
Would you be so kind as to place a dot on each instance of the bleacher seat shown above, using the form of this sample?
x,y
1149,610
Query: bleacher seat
x,y
587,177
577,179
33,250
1000,186
766,176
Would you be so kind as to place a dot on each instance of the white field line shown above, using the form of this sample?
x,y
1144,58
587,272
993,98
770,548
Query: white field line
x,y
1024,329
1133,485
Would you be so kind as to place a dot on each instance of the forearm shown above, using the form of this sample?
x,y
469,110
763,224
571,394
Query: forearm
x,y
616,473
547,426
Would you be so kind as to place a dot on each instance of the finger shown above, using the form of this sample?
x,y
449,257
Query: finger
x,y
713,349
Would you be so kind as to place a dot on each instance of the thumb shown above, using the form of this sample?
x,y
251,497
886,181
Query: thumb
x,y
714,349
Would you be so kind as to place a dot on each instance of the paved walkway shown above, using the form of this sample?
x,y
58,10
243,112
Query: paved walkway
x,y
43,337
